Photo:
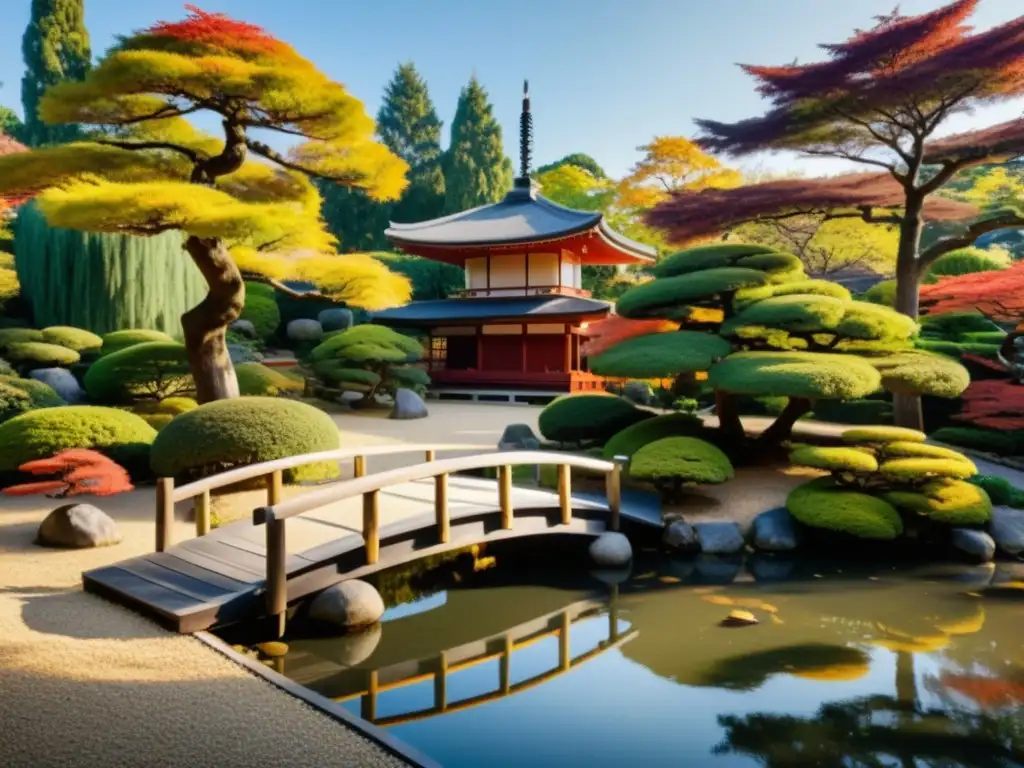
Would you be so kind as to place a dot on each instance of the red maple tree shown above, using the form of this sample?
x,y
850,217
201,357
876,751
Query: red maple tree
x,y
993,404
82,472
999,295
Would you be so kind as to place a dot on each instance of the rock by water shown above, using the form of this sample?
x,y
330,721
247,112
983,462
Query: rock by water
x,y
720,538
408,405
775,531
351,604
611,550
1007,529
78,526
977,545
335,319
680,536
304,329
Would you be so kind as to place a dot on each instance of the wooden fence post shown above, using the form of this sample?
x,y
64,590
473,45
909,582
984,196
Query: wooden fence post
x,y
164,512
613,484
371,525
565,493
277,574
428,455
505,495
359,466
275,487
202,507
441,508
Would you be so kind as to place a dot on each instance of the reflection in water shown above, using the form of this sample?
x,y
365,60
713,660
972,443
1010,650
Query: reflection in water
x,y
847,669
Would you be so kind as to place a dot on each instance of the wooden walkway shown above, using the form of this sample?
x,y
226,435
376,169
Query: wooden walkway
x,y
220,578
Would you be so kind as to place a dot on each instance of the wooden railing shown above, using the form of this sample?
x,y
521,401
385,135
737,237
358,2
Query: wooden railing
x,y
167,495
276,514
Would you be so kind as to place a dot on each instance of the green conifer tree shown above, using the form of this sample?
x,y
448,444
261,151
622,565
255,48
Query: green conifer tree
x,y
477,170
55,47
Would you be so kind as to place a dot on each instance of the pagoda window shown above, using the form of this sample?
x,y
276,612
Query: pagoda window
x,y
438,352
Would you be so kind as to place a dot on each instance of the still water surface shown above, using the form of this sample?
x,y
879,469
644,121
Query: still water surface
x,y
846,667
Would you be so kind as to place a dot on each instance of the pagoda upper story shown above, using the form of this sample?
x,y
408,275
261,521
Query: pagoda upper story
x,y
524,245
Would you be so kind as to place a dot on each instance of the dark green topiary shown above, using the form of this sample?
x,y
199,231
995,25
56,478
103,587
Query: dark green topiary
x,y
834,459
659,297
953,325
36,354
374,348
1001,491
121,435
946,501
118,340
256,379
81,341
883,293
588,418
706,257
984,337
821,504
672,462
854,411
957,349
795,374
336,373
152,370
225,434
409,377
18,396
748,296
660,355
1000,442
633,438
263,313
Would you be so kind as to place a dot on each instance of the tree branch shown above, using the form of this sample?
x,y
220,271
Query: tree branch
x,y
848,156
255,277
166,111
949,170
264,151
888,141
141,145
1008,220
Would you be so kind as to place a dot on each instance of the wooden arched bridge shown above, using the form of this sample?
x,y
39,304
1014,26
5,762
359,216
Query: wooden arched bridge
x,y
245,570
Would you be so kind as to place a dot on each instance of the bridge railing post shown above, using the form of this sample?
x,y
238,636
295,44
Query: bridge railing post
x,y
275,487
565,492
202,508
613,487
358,466
164,512
371,525
441,507
505,495
277,574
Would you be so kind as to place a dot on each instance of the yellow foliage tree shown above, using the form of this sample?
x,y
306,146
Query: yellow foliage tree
x,y
671,164
154,172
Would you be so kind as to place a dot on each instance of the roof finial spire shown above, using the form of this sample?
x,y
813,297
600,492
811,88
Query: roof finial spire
x,y
525,136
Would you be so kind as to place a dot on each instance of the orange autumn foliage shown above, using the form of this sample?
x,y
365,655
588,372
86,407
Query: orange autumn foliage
x,y
986,691
607,333
82,472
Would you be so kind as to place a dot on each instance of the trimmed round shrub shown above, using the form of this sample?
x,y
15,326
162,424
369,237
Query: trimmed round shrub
x,y
159,414
157,420
795,313
660,355
921,373
226,434
748,296
633,438
1001,491
681,460
121,435
151,370
588,418
914,469
18,396
883,435
952,502
118,340
263,314
883,293
6,369
10,336
262,290
369,344
37,354
73,338
261,380
1002,443
966,261
666,294
820,504
795,374
922,450
176,405
706,257
833,459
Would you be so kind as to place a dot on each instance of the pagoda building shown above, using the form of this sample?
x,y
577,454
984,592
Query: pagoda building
x,y
515,330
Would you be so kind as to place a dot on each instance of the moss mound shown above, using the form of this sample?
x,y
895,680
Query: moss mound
x,y
262,290
795,374
681,459
118,340
883,435
833,459
588,418
10,336
922,373
706,257
150,370
660,355
80,340
913,469
952,502
18,396
820,504
121,435
922,450
225,434
263,313
657,297
37,354
260,380
633,438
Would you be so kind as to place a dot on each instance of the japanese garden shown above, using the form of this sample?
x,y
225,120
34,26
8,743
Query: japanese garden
x,y
387,426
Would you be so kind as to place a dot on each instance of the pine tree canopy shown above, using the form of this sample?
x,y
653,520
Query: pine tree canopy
x,y
477,172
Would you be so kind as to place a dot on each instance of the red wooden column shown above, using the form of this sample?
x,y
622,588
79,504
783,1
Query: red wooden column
x,y
522,362
479,347
567,350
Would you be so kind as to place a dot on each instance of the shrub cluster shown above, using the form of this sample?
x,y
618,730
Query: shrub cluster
x,y
958,333
385,357
152,370
259,380
671,463
262,312
18,396
588,418
999,442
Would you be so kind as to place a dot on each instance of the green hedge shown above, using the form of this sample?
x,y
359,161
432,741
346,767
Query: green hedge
x,y
152,370
121,435
129,337
588,418
660,355
81,341
820,504
37,354
1002,443
675,460
631,439
883,293
883,435
225,434
795,374
257,379
954,325
263,313
18,396
1000,490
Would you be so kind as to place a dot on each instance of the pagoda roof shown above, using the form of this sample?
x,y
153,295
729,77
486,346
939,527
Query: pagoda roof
x,y
492,309
522,218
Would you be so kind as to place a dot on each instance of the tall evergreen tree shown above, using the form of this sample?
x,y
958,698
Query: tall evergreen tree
x,y
55,47
477,171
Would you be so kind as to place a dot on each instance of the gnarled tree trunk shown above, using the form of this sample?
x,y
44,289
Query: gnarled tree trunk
x,y
907,408
782,428
729,423
205,325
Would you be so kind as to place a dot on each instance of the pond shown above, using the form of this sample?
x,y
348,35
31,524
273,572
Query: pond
x,y
847,665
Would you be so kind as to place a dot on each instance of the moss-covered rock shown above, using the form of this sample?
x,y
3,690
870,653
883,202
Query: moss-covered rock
x,y
883,435
225,434
633,438
121,435
18,396
821,504
152,370
259,380
588,418
952,502
660,355
37,354
795,374
681,460
82,341
833,459
922,468
118,340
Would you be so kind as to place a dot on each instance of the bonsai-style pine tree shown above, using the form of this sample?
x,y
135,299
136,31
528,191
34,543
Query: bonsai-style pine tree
x,y
758,326
370,357
56,48
477,171
877,100
154,172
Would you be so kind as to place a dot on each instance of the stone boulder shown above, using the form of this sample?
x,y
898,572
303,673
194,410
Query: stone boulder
x,y
61,381
775,531
1007,529
304,329
977,545
518,437
244,328
352,604
357,647
680,536
611,550
638,392
336,319
239,353
78,526
408,405
720,538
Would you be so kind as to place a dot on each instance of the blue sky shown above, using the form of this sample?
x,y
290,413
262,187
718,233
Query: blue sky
x,y
605,75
